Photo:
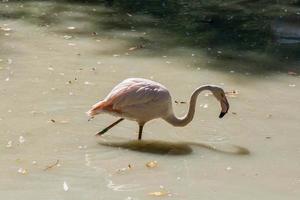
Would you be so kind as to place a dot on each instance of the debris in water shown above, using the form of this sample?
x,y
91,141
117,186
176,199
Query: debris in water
x,y
228,168
67,37
34,162
65,186
132,48
50,68
232,93
52,120
64,121
6,29
159,193
87,83
21,139
9,144
268,137
71,27
140,46
9,61
56,164
181,102
152,164
205,105
292,73
206,94
22,171
123,170
292,85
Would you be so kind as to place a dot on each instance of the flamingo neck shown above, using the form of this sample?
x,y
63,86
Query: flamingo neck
x,y
183,121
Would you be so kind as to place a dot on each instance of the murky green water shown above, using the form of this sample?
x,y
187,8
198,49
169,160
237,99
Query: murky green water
x,y
58,59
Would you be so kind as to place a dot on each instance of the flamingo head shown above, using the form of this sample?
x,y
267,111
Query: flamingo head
x,y
221,97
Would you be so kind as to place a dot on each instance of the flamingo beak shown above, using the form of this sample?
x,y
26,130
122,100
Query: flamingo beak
x,y
225,107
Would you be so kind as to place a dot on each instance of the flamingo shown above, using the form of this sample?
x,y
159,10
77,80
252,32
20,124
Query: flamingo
x,y
142,100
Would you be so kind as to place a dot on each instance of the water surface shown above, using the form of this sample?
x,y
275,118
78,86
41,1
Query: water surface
x,y
58,59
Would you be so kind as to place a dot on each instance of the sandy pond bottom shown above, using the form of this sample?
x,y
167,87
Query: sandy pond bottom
x,y
51,74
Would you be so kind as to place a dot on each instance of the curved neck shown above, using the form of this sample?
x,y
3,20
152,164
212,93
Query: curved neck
x,y
183,121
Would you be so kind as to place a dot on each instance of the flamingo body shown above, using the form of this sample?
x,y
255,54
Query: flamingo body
x,y
142,100
136,99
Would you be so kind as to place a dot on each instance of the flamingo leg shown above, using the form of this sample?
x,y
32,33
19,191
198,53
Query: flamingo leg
x,y
140,131
110,126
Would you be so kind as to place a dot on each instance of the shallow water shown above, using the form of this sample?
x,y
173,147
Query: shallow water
x,y
57,60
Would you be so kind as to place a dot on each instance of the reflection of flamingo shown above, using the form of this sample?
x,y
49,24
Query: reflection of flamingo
x,y
142,100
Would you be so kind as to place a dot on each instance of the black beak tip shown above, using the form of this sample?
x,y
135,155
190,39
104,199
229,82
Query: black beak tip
x,y
222,114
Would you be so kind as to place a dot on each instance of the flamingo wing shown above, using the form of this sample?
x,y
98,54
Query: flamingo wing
x,y
130,92
133,92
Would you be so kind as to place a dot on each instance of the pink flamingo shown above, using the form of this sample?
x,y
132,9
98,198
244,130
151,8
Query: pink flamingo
x,y
142,100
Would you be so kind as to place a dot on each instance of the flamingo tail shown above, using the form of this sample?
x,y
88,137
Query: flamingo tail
x,y
96,109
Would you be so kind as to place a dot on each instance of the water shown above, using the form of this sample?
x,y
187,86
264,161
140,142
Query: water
x,y
59,59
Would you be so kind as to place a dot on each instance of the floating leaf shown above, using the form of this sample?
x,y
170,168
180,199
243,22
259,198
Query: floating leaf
x,y
56,164
65,186
67,37
152,164
6,29
22,171
132,48
292,85
21,139
9,144
159,193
